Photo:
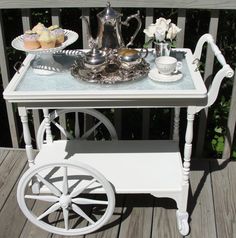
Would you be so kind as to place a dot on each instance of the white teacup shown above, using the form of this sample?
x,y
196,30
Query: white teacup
x,y
167,65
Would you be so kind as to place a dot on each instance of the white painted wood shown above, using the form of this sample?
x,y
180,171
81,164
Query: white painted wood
x,y
160,161
27,137
176,124
49,118
188,148
67,199
201,4
225,71
47,127
182,221
230,129
112,97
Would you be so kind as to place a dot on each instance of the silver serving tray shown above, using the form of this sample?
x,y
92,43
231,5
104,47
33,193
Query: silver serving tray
x,y
111,72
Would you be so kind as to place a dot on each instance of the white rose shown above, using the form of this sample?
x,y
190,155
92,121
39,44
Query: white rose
x,y
173,31
160,34
150,31
162,23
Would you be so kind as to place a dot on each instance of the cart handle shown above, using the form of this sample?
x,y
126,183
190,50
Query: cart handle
x,y
225,71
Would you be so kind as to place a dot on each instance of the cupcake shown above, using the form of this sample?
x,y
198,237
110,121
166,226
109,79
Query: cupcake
x,y
58,33
30,40
39,28
47,40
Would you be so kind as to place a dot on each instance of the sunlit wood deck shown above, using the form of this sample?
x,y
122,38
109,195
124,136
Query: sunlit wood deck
x,y
212,205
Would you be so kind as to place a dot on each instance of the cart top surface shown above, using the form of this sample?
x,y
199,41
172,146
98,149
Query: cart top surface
x,y
28,87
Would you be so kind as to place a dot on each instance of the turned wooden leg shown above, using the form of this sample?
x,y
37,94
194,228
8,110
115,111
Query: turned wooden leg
x,y
47,126
182,214
26,133
176,124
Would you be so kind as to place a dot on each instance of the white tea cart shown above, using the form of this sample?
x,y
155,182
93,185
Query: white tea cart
x,y
67,175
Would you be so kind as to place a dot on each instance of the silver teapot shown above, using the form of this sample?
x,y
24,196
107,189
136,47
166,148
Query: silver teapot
x,y
109,29
94,60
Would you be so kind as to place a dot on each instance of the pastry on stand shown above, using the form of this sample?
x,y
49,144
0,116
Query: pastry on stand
x,y
41,42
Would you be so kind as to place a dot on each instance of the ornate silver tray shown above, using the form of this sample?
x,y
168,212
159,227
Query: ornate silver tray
x,y
111,72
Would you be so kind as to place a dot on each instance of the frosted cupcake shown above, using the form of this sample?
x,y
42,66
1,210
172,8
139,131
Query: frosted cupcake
x,y
39,28
58,33
47,40
30,40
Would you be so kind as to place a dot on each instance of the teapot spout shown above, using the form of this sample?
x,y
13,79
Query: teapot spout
x,y
91,41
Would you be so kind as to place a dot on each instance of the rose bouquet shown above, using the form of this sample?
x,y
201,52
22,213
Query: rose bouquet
x,y
162,31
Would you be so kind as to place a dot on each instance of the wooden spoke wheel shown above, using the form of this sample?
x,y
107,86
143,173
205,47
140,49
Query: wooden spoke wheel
x,y
98,122
69,197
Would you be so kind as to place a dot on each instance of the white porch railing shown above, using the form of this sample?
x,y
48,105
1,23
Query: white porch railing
x,y
213,6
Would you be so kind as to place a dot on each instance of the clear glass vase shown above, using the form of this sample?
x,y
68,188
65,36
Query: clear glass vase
x,y
162,49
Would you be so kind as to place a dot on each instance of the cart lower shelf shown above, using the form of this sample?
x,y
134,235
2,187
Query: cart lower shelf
x,y
153,167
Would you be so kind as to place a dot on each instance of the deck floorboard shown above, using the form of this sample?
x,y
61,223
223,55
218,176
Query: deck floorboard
x,y
211,205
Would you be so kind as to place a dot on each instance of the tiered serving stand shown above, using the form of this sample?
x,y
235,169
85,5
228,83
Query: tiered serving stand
x,y
44,63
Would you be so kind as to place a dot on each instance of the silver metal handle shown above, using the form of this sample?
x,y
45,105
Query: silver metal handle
x,y
17,66
145,51
126,23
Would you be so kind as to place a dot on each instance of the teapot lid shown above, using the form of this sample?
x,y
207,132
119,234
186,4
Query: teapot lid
x,y
95,56
109,13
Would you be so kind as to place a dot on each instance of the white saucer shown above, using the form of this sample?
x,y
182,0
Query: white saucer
x,y
156,76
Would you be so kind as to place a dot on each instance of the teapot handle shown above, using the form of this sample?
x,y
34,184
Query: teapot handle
x,y
126,23
145,51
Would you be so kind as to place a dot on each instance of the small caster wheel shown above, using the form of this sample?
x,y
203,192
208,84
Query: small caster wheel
x,y
182,222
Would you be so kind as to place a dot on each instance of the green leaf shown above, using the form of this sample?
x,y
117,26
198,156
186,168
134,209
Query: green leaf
x,y
218,129
146,44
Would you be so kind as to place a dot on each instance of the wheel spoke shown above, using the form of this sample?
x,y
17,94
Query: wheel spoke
x,y
50,186
65,180
46,198
80,212
63,130
92,129
51,209
75,193
66,217
88,201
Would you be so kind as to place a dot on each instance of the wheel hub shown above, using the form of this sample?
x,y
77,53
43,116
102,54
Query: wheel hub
x,y
65,201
